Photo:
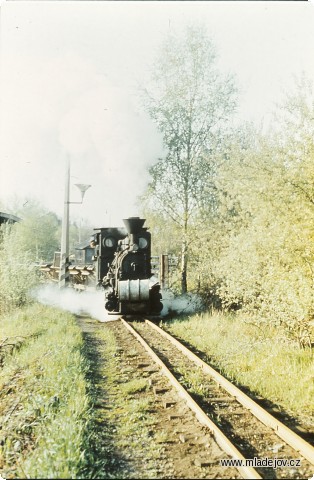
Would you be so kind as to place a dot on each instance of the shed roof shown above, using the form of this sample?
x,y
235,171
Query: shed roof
x,y
83,245
8,218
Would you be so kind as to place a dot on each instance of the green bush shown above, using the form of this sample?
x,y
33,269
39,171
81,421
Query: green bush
x,y
18,274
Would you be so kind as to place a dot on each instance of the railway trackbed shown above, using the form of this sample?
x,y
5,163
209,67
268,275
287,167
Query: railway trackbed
x,y
212,419
150,431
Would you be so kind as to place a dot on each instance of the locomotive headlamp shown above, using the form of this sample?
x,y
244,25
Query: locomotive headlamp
x,y
135,247
142,242
109,242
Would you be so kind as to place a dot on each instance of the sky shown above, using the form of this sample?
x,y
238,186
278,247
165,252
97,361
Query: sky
x,y
70,72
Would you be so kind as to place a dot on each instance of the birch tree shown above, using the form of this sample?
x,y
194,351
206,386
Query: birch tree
x,y
190,102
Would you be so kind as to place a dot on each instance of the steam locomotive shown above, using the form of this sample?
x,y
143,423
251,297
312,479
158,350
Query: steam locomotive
x,y
123,269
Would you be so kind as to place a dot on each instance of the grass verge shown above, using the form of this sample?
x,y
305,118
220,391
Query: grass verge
x,y
258,357
70,409
43,394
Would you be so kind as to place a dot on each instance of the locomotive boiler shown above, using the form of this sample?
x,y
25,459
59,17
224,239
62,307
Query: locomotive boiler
x,y
123,266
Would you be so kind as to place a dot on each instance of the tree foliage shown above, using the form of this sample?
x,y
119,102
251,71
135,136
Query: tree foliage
x,y
241,203
23,246
39,232
17,271
265,262
190,101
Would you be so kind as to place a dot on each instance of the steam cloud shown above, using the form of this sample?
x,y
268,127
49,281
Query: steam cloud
x,y
80,303
92,302
182,304
112,143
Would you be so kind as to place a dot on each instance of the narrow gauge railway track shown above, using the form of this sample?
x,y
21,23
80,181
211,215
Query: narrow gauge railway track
x,y
241,427
185,447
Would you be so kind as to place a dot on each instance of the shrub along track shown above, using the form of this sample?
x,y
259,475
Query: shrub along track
x,y
144,430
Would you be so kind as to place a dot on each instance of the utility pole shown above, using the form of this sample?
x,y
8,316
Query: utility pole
x,y
64,275
64,257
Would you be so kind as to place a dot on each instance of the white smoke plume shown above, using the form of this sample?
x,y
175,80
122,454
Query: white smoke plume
x,y
180,304
80,303
92,302
111,143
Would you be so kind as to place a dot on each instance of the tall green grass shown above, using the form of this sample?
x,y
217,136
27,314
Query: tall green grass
x,y
43,394
257,356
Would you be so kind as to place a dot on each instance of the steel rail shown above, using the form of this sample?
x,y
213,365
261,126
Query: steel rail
x,y
219,436
290,437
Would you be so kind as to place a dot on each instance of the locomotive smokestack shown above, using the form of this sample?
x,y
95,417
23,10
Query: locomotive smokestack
x,y
134,224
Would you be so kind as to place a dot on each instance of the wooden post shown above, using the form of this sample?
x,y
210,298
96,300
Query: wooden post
x,y
164,271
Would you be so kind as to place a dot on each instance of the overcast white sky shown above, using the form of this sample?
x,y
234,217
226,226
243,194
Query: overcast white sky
x,y
69,72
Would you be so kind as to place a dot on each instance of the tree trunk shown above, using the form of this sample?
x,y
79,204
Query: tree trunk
x,y
184,263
